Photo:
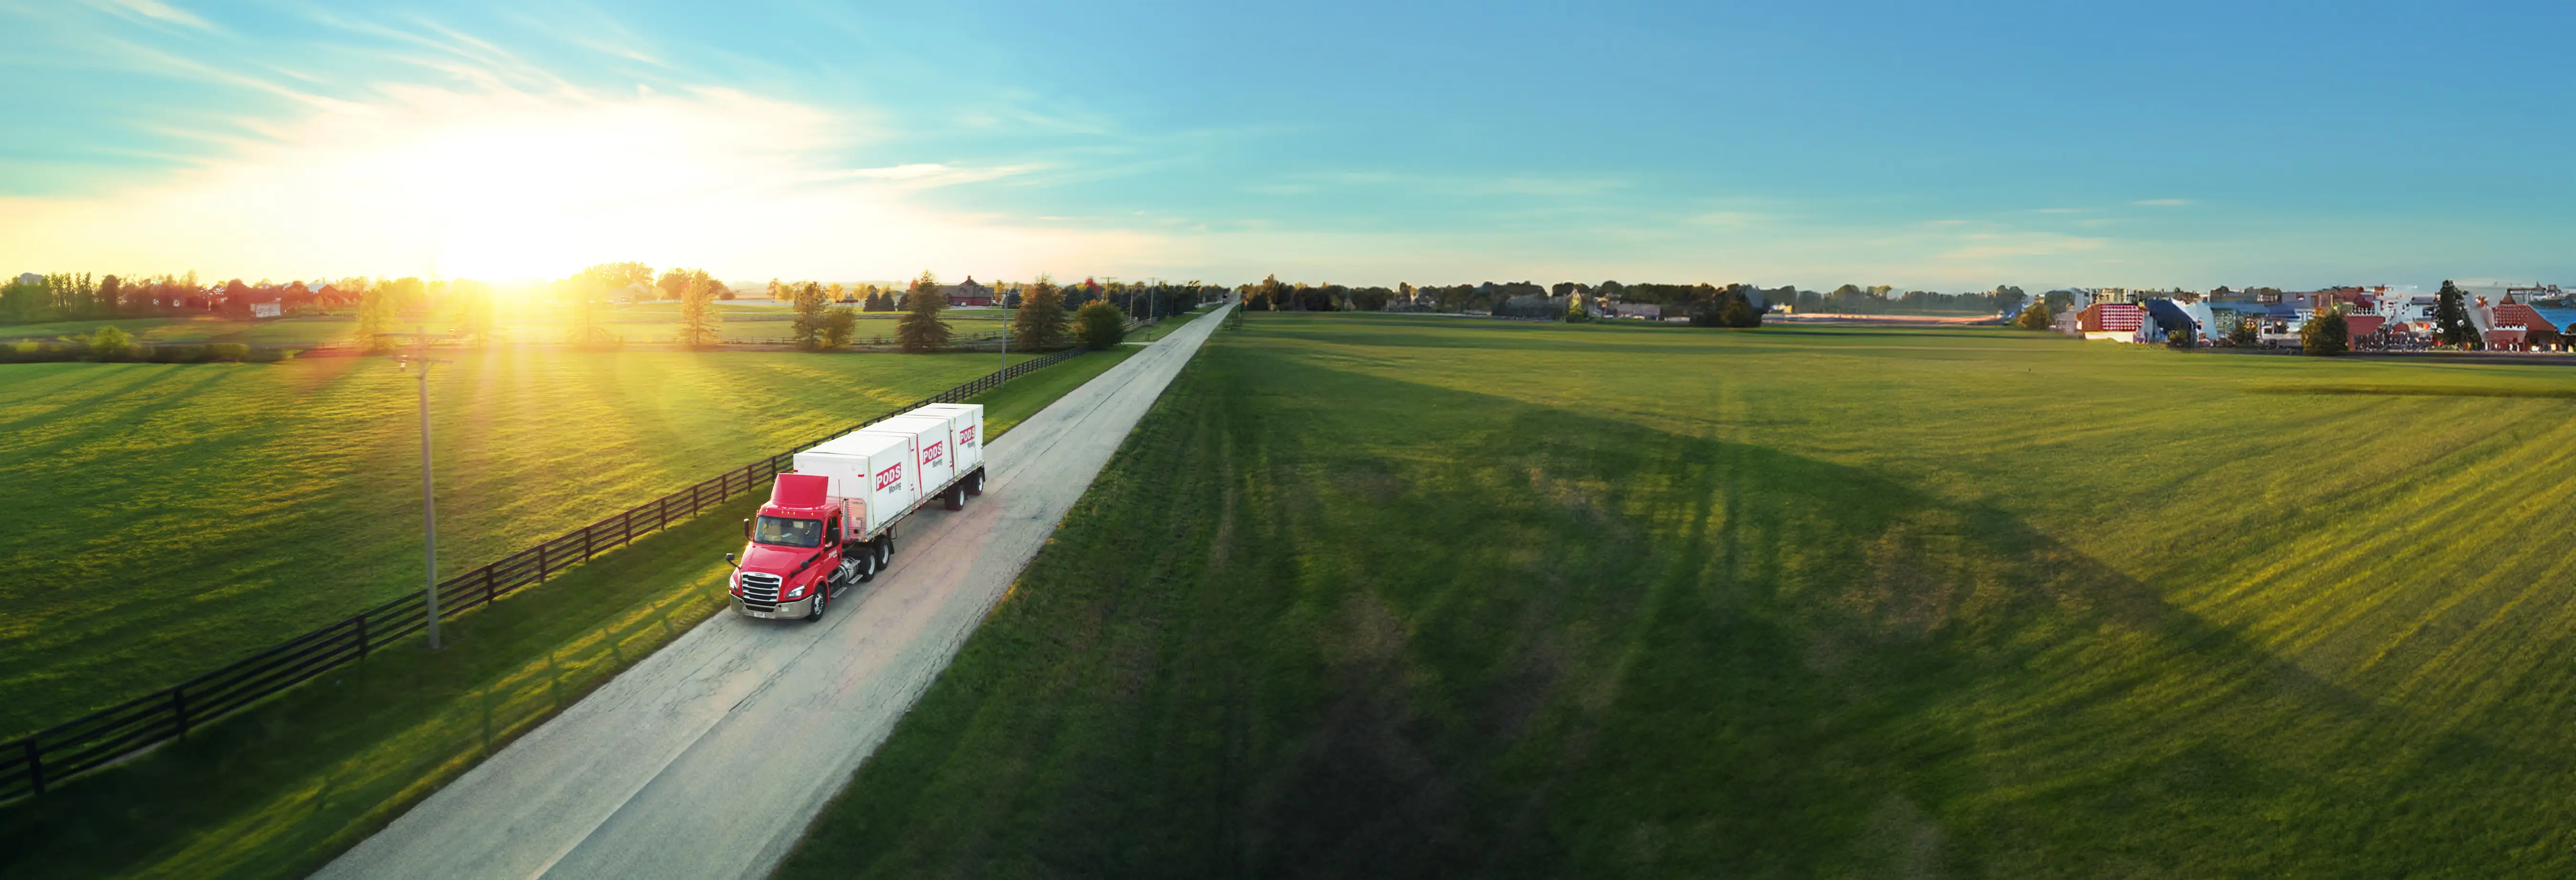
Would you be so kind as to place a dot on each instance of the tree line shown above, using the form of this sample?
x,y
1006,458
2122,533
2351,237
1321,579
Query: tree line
x,y
1703,302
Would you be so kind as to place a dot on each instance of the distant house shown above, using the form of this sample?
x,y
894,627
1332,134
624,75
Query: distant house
x,y
30,278
968,293
269,309
2115,321
2537,332
2165,318
1648,311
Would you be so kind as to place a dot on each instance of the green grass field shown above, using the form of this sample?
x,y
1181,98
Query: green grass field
x,y
283,787
165,519
1419,596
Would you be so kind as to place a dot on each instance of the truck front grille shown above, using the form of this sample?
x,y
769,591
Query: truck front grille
x,y
760,591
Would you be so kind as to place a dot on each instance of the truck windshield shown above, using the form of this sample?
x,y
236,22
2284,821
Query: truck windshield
x,y
787,532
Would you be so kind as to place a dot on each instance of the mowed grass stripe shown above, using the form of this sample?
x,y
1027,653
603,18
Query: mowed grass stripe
x,y
1429,598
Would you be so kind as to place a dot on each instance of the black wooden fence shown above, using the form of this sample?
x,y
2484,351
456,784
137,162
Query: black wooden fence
x,y
29,765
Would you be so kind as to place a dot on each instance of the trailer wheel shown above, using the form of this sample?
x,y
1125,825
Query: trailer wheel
x,y
975,483
954,498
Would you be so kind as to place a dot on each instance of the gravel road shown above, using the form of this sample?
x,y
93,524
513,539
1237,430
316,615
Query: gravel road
x,y
709,758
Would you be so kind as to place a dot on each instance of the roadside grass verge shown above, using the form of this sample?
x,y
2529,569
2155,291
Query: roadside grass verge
x,y
1011,404
165,519
1404,598
283,787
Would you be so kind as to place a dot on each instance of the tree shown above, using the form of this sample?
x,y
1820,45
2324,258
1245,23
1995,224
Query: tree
x,y
2007,296
469,305
110,343
921,329
2034,317
1100,326
674,284
1039,324
839,324
2243,335
236,300
376,315
25,302
809,302
2451,317
109,291
410,297
1738,311
1267,294
698,316
2326,334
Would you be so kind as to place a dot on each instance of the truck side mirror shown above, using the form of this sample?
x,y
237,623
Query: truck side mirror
x,y
746,530
729,560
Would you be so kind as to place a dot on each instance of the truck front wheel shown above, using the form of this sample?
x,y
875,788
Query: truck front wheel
x,y
822,600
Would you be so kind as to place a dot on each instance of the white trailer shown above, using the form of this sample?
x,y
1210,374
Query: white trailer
x,y
948,458
885,471
965,430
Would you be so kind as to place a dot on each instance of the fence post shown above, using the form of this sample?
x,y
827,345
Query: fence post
x,y
541,560
585,542
179,707
488,592
35,765
362,619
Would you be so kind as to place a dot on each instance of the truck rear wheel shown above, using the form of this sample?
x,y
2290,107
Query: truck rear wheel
x,y
867,566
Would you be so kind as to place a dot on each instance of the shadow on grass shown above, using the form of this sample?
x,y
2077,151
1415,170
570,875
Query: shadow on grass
x,y
1313,623
280,789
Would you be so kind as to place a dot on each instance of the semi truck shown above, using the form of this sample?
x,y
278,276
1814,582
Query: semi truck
x,y
830,520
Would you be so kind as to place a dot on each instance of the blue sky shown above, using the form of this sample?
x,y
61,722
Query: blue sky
x,y
1919,145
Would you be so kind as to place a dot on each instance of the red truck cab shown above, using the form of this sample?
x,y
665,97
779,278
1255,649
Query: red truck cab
x,y
795,557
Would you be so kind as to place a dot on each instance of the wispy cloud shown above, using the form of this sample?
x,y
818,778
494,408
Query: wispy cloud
x,y
923,175
152,11
1990,245
2163,203
502,183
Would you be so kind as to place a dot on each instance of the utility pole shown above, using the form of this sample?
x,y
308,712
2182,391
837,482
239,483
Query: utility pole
x,y
1006,335
428,498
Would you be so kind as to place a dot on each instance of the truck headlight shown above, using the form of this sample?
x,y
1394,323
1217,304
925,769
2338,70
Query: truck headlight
x,y
797,593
